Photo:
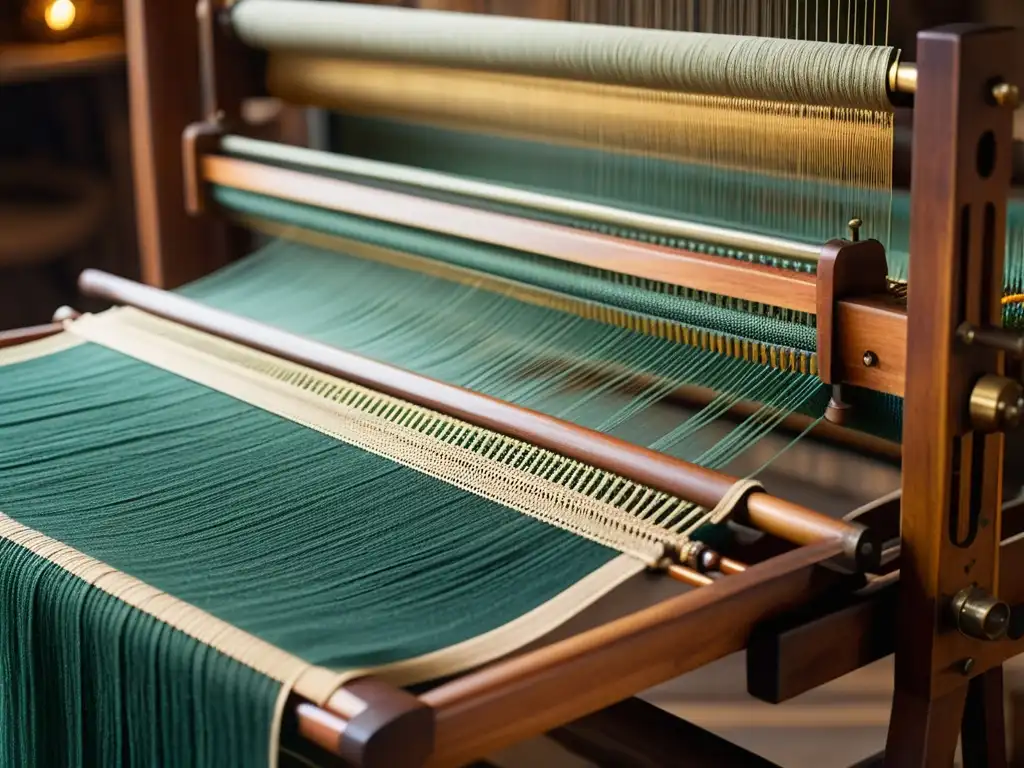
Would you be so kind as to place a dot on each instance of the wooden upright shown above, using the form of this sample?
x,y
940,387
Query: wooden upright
x,y
952,463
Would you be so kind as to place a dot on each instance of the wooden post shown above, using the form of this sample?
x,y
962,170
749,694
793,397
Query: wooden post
x,y
951,473
164,96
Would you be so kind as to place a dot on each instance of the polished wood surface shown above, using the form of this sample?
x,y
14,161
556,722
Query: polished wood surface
x,y
657,470
164,97
32,333
845,270
877,325
528,695
821,642
951,476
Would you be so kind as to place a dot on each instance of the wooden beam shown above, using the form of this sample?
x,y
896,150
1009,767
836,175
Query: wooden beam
x,y
528,695
751,282
164,98
951,474
820,643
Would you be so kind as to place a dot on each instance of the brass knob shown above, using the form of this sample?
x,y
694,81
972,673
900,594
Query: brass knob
x,y
978,615
64,312
997,404
1006,95
855,225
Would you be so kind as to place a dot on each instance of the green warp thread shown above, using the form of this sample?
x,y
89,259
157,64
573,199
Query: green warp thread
x,y
796,71
725,197
529,355
501,346
746,200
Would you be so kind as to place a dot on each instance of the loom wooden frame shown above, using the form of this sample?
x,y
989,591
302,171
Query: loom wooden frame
x,y
532,693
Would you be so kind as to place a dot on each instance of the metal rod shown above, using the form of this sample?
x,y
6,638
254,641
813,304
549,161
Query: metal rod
x,y
704,487
731,567
255,149
903,77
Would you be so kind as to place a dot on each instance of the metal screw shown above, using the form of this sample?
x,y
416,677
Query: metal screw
x,y
870,359
967,666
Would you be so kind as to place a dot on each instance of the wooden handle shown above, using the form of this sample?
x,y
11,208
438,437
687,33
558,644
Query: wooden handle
x,y
31,333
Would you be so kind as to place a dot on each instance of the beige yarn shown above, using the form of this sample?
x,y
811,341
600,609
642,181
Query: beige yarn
x,y
797,71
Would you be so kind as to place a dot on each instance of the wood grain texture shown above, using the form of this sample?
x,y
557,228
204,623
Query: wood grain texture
x,y
845,270
726,277
164,97
950,476
32,333
877,325
528,695
820,643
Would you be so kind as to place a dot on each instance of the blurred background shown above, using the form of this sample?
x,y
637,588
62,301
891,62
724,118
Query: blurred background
x,y
65,156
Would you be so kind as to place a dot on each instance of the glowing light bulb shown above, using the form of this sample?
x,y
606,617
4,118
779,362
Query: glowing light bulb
x,y
59,15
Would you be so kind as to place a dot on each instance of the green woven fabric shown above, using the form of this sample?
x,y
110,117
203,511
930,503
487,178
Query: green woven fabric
x,y
330,553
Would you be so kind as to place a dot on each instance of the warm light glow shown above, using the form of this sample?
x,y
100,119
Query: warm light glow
x,y
59,15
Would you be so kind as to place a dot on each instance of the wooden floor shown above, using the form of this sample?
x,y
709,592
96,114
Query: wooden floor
x,y
835,726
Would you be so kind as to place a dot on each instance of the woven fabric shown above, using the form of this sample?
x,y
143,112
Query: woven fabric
x,y
314,546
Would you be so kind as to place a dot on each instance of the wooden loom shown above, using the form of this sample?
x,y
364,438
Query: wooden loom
x,y
958,592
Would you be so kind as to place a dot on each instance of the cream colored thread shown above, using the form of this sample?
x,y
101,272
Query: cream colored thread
x,y
732,498
786,139
312,682
800,71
